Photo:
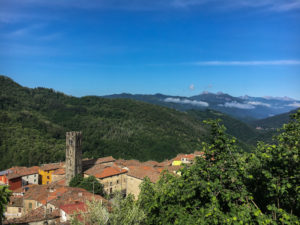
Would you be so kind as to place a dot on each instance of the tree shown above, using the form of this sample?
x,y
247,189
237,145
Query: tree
x,y
90,184
123,211
211,191
276,187
4,199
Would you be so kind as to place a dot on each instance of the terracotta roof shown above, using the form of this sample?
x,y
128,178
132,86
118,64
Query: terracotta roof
x,y
98,161
60,171
126,163
35,215
180,156
15,202
11,176
74,195
73,208
52,166
141,172
102,171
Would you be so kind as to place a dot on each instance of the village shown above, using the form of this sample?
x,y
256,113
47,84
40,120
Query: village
x,y
41,194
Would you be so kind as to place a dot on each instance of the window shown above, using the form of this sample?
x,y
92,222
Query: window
x,y
117,181
34,175
110,183
30,205
34,180
20,210
110,190
48,177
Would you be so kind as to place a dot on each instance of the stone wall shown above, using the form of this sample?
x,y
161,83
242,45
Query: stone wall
x,y
133,184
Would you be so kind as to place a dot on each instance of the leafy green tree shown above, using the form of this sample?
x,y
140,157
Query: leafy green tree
x,y
4,199
211,191
275,180
124,210
75,181
90,184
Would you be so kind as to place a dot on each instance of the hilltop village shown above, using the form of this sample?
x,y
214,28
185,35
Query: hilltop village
x,y
41,194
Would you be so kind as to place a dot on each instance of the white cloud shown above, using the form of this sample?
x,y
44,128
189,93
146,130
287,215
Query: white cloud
x,y
259,103
285,98
187,101
247,63
192,87
294,104
237,105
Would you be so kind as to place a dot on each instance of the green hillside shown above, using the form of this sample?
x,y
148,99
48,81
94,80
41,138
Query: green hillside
x,y
273,122
33,123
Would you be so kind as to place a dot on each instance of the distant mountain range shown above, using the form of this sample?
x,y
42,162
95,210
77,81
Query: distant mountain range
x,y
245,108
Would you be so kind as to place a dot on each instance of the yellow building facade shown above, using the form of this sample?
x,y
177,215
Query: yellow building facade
x,y
46,176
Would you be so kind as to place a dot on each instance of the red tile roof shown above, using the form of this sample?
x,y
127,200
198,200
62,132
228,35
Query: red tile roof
x,y
141,172
35,215
86,162
60,171
52,166
73,208
102,171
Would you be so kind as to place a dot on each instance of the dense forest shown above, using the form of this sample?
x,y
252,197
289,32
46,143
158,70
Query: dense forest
x,y
33,123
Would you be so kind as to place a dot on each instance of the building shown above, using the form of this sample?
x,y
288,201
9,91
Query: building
x,y
14,181
113,177
3,177
14,208
136,175
30,175
68,210
73,155
46,172
58,175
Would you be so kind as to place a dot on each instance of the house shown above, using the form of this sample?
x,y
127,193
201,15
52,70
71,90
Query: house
x,y
186,158
46,171
14,181
58,175
136,175
112,177
30,175
89,163
14,208
38,216
69,210
3,177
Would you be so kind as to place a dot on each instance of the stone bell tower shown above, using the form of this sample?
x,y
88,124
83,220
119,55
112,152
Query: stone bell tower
x,y
73,155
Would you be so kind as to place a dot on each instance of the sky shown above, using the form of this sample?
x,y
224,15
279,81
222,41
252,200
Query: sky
x,y
174,47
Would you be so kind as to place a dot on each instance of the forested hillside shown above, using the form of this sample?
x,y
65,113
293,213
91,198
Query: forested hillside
x,y
273,122
34,122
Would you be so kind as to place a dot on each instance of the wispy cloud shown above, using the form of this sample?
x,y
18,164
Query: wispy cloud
x,y
259,103
294,104
246,63
237,105
187,101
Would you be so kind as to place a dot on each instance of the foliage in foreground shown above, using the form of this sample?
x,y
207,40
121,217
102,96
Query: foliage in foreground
x,y
90,184
123,211
4,199
228,186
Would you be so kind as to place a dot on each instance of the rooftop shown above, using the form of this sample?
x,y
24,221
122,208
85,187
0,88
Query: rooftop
x,y
103,171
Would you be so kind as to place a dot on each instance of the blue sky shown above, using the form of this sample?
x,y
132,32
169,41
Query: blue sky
x,y
174,47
